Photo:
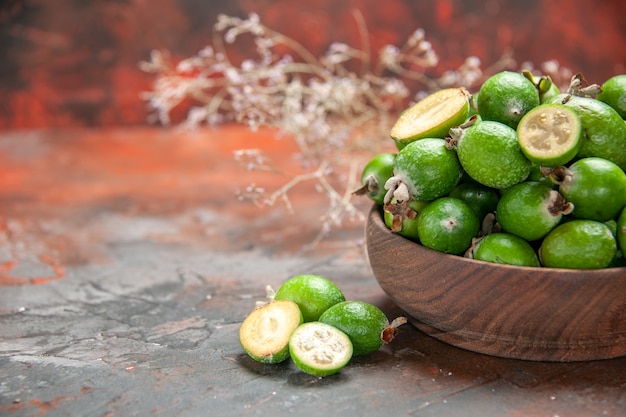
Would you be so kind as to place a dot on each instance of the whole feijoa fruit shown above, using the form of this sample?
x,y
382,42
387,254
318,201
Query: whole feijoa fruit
x,y
374,176
506,97
578,244
596,187
604,129
448,225
490,154
313,294
365,324
505,248
530,210
424,170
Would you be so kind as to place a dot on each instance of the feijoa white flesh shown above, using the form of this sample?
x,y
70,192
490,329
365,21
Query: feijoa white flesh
x,y
433,116
320,349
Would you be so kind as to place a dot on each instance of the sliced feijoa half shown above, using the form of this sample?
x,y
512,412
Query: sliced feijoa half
x,y
264,334
320,349
433,116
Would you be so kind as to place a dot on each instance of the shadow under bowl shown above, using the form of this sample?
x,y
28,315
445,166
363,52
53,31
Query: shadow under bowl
x,y
539,314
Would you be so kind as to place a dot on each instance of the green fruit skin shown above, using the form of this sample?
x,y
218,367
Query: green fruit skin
x,y
448,225
428,168
277,357
315,370
361,321
480,198
578,244
621,231
604,130
524,211
505,248
380,169
614,93
312,293
597,188
482,149
511,86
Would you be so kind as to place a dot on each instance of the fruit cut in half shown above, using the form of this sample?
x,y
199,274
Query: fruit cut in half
x,y
320,349
550,134
264,334
432,117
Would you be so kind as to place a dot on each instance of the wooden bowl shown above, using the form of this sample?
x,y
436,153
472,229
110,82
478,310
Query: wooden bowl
x,y
540,314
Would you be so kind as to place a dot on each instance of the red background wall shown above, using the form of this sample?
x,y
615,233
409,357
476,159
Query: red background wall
x,y
74,62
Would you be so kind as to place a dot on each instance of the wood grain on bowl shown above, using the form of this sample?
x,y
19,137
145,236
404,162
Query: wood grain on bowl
x,y
541,314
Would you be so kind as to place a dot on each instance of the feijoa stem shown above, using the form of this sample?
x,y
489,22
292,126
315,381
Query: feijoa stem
x,y
558,204
579,87
399,211
390,332
370,186
557,175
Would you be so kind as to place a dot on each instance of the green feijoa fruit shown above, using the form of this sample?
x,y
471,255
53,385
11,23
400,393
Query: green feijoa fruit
x,y
530,210
621,231
448,225
365,324
480,198
313,294
614,93
604,130
404,224
596,187
490,154
432,117
578,244
506,97
265,332
505,248
619,261
319,349
374,176
424,170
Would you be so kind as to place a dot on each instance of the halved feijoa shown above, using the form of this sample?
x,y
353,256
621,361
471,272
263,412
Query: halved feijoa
x,y
264,334
320,349
432,117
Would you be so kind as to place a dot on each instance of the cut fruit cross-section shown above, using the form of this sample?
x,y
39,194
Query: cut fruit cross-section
x,y
320,349
265,333
550,135
432,117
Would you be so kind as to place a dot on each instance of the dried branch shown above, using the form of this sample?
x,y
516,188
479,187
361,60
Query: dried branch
x,y
330,111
